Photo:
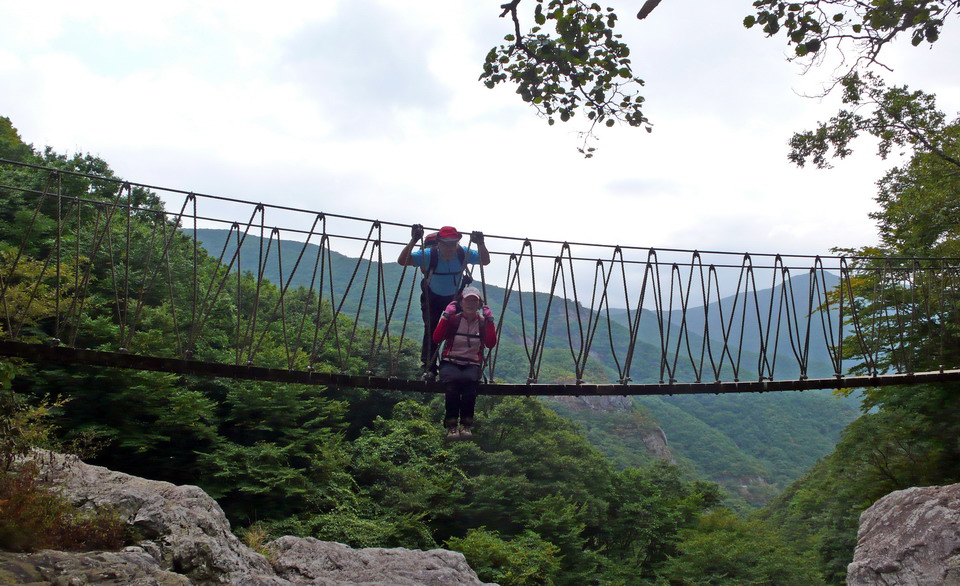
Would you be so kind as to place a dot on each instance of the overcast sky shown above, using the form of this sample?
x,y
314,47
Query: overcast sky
x,y
373,109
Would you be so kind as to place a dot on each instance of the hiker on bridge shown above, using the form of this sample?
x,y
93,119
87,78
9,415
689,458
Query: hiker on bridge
x,y
442,261
466,329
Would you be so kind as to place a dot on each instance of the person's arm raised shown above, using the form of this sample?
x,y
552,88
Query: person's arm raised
x,y
405,260
477,237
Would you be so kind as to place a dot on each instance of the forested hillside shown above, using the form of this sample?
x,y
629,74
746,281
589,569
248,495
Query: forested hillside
x,y
907,435
529,501
753,445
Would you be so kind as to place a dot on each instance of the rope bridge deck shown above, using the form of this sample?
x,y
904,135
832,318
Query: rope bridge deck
x,y
99,271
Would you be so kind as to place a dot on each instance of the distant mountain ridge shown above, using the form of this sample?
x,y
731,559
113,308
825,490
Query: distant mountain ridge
x,y
808,334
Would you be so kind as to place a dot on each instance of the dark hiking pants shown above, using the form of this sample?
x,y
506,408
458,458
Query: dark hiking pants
x,y
460,383
431,307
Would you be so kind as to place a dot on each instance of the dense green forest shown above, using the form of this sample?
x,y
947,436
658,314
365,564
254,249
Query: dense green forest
x,y
537,498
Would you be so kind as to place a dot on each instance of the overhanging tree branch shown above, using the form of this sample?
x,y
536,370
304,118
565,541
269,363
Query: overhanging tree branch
x,y
813,26
899,117
647,8
577,64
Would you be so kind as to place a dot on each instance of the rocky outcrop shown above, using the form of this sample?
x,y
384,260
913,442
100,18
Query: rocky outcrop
x,y
655,441
617,403
309,561
910,536
131,566
182,527
653,437
187,540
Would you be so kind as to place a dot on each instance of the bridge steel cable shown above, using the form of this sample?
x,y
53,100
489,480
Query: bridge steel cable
x,y
296,295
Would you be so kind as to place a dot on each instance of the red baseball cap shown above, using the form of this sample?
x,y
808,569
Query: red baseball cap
x,y
448,234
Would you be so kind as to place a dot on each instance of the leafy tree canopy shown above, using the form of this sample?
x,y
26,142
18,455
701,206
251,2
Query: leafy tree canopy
x,y
571,60
11,146
724,549
860,29
907,434
896,116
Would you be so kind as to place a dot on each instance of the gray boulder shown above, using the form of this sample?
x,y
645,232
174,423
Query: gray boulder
x,y
911,537
187,540
132,567
183,528
323,563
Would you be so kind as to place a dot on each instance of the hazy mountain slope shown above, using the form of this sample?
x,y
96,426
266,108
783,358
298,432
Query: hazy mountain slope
x,y
790,302
745,314
785,432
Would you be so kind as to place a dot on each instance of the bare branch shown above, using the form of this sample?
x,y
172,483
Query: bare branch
x,y
647,8
510,7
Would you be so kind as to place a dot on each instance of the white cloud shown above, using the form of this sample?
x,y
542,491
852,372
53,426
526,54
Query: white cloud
x,y
365,68
373,109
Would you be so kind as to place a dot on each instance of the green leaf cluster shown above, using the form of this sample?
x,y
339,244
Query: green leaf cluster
x,y
811,25
576,63
724,549
895,116
524,559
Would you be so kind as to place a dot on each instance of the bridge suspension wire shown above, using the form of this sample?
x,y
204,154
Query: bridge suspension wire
x,y
96,270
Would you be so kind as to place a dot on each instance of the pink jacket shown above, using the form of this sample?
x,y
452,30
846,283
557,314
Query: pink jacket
x,y
466,346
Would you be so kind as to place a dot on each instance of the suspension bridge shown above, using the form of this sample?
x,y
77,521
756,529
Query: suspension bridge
x,y
100,271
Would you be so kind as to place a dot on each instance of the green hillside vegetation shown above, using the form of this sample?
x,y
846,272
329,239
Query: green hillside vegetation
x,y
907,435
754,445
772,438
618,433
529,501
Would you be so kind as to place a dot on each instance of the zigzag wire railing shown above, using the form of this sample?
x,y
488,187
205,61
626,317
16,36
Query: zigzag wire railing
x,y
648,321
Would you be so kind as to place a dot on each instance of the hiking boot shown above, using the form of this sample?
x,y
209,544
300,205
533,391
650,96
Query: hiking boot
x,y
428,377
452,433
466,432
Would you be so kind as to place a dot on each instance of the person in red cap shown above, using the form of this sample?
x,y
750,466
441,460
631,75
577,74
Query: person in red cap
x,y
466,332
442,265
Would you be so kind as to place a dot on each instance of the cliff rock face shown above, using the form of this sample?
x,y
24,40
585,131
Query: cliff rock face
x,y
653,437
131,566
910,536
596,403
187,540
